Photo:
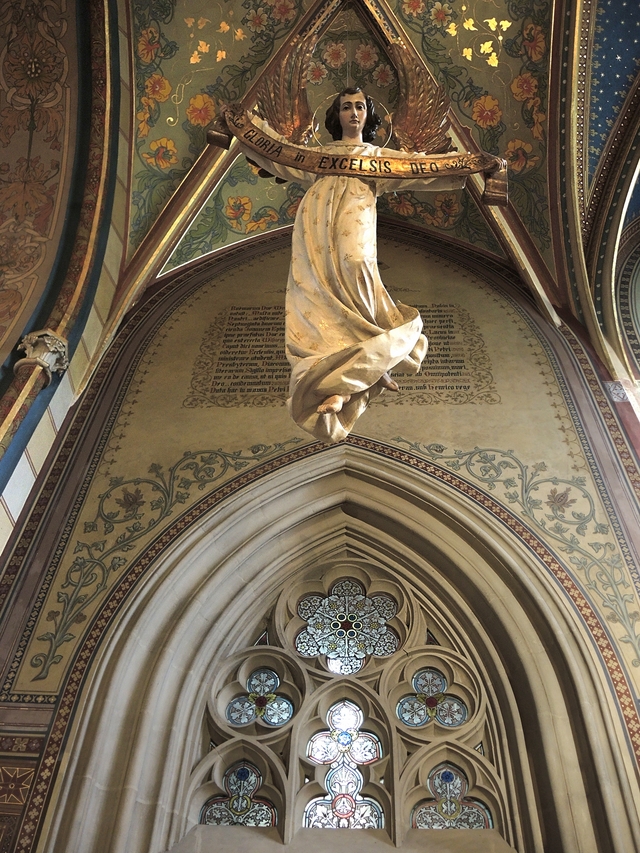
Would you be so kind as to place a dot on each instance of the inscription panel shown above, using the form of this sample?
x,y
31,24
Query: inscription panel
x,y
242,361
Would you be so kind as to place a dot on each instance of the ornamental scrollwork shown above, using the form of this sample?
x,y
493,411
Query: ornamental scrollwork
x,y
127,511
563,512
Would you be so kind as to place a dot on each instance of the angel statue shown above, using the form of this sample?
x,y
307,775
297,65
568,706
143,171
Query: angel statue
x,y
344,334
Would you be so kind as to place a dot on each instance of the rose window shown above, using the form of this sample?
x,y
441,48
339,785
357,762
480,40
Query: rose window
x,y
347,627
430,701
239,807
344,747
261,703
449,809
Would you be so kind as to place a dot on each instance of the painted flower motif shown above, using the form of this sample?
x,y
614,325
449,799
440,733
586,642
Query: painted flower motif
x,y
316,73
148,44
447,208
143,115
238,210
486,112
163,153
440,15
413,7
131,502
158,88
519,155
366,56
524,87
334,54
33,66
262,222
401,205
559,501
283,10
256,19
201,110
533,42
383,75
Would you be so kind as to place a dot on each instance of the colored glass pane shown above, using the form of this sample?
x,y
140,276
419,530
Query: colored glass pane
x,y
430,702
344,747
262,703
347,627
240,806
449,808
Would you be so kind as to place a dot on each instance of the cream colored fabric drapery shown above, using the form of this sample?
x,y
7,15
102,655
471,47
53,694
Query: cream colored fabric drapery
x,y
343,330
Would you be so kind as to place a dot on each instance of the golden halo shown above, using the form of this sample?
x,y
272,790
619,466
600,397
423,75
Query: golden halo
x,y
377,104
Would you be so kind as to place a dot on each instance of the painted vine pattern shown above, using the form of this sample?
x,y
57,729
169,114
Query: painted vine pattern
x,y
127,511
562,511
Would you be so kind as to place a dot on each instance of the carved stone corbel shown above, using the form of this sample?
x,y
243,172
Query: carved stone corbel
x,y
45,349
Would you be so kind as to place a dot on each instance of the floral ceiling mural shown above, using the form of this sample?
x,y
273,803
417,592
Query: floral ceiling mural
x,y
243,204
185,66
492,58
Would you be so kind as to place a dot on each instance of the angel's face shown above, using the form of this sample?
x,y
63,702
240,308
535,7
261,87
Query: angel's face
x,y
353,116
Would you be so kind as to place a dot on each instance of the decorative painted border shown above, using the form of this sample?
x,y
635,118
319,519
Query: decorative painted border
x,y
65,710
604,181
624,302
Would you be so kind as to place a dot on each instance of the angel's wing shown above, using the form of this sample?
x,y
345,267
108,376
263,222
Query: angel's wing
x,y
282,94
420,121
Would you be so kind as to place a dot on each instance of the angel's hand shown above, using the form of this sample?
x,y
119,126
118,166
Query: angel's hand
x,y
496,185
219,133
500,165
263,172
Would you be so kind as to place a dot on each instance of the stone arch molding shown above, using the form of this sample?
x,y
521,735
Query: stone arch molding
x,y
138,764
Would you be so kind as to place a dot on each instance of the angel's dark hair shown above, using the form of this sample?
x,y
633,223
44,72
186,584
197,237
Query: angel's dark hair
x,y
332,121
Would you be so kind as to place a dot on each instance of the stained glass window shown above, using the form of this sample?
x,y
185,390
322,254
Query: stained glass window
x,y
239,807
430,700
347,627
449,809
344,747
261,703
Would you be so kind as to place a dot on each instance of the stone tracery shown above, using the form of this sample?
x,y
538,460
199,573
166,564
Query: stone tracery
x,y
344,718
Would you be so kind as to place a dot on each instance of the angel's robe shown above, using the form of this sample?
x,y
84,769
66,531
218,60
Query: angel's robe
x,y
343,331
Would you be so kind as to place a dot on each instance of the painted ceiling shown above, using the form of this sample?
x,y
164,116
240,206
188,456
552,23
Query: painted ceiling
x,y
615,61
491,57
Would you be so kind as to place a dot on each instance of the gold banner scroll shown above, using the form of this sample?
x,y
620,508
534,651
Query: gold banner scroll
x,y
321,161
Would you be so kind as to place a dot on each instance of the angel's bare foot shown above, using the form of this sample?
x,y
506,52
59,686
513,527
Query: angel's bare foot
x,y
333,405
387,382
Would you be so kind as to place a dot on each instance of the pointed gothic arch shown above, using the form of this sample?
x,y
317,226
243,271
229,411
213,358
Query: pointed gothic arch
x,y
140,731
